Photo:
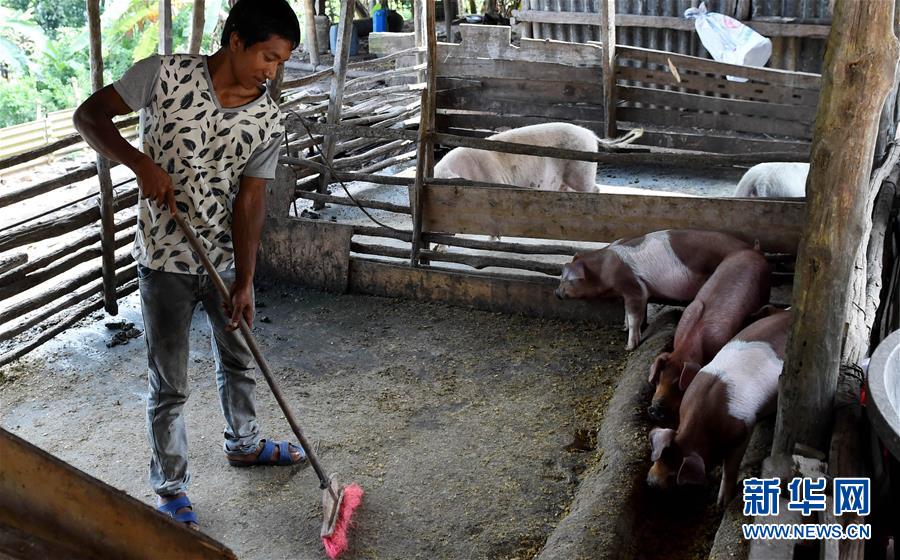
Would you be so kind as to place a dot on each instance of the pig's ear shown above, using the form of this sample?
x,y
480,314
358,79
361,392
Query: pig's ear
x,y
574,271
688,372
658,364
763,312
660,439
692,471
689,318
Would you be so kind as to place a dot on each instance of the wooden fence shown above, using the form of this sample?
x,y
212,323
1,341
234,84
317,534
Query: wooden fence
x,y
797,29
47,133
50,255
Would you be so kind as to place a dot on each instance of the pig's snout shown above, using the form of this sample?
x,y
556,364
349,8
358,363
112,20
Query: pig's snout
x,y
657,412
558,292
657,477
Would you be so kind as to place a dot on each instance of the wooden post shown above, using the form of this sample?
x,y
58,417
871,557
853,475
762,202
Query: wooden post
x,y
336,97
107,198
419,29
608,38
274,86
425,153
165,26
860,57
197,27
448,20
309,35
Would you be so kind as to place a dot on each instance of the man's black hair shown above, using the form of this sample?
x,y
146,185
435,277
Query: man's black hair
x,y
255,21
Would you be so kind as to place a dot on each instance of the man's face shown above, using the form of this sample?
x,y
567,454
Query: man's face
x,y
259,63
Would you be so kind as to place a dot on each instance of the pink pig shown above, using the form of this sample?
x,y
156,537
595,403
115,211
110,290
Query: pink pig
x,y
738,288
670,265
721,406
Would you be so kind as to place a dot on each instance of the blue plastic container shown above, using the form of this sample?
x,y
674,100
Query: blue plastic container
x,y
379,21
354,42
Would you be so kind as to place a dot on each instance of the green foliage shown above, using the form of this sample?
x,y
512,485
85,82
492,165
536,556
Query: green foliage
x,y
53,14
44,65
17,102
18,5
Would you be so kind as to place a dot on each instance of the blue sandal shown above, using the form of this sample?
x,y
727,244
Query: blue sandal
x,y
265,455
170,509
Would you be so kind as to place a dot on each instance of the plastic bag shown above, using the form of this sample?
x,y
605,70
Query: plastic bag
x,y
729,40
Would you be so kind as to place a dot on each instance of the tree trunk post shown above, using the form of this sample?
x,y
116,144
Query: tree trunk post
x,y
859,68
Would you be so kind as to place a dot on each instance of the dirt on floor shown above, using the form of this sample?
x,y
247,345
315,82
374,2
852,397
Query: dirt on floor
x,y
468,430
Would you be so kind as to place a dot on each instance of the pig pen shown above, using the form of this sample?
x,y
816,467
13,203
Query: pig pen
x,y
700,132
468,430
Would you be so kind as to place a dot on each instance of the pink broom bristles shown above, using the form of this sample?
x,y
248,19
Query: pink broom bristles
x,y
337,542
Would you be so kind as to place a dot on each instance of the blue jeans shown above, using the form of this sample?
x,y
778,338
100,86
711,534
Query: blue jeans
x,y
168,301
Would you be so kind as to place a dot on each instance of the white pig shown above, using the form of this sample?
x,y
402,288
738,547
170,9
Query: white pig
x,y
530,172
774,180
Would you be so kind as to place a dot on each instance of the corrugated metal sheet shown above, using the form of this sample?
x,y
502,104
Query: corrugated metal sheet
x,y
788,53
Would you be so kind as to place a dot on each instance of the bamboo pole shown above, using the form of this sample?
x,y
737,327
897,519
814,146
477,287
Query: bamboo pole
x,y
860,57
309,36
336,97
80,257
107,198
165,26
425,154
373,204
45,297
49,229
197,22
7,277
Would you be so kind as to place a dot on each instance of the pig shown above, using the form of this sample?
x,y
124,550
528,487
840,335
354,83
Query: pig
x,y
774,180
671,264
530,172
738,288
720,407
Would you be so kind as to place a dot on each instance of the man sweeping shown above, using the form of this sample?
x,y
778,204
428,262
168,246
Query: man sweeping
x,y
210,136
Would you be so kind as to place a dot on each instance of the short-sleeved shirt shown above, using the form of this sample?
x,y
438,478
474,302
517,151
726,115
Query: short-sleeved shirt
x,y
205,148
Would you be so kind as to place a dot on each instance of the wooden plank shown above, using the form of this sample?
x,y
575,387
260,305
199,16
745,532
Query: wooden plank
x,y
447,119
521,90
786,78
682,100
604,218
718,143
719,85
526,295
503,107
309,252
61,504
686,119
492,42
476,68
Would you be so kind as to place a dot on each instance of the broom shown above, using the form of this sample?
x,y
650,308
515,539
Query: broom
x,y
338,503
